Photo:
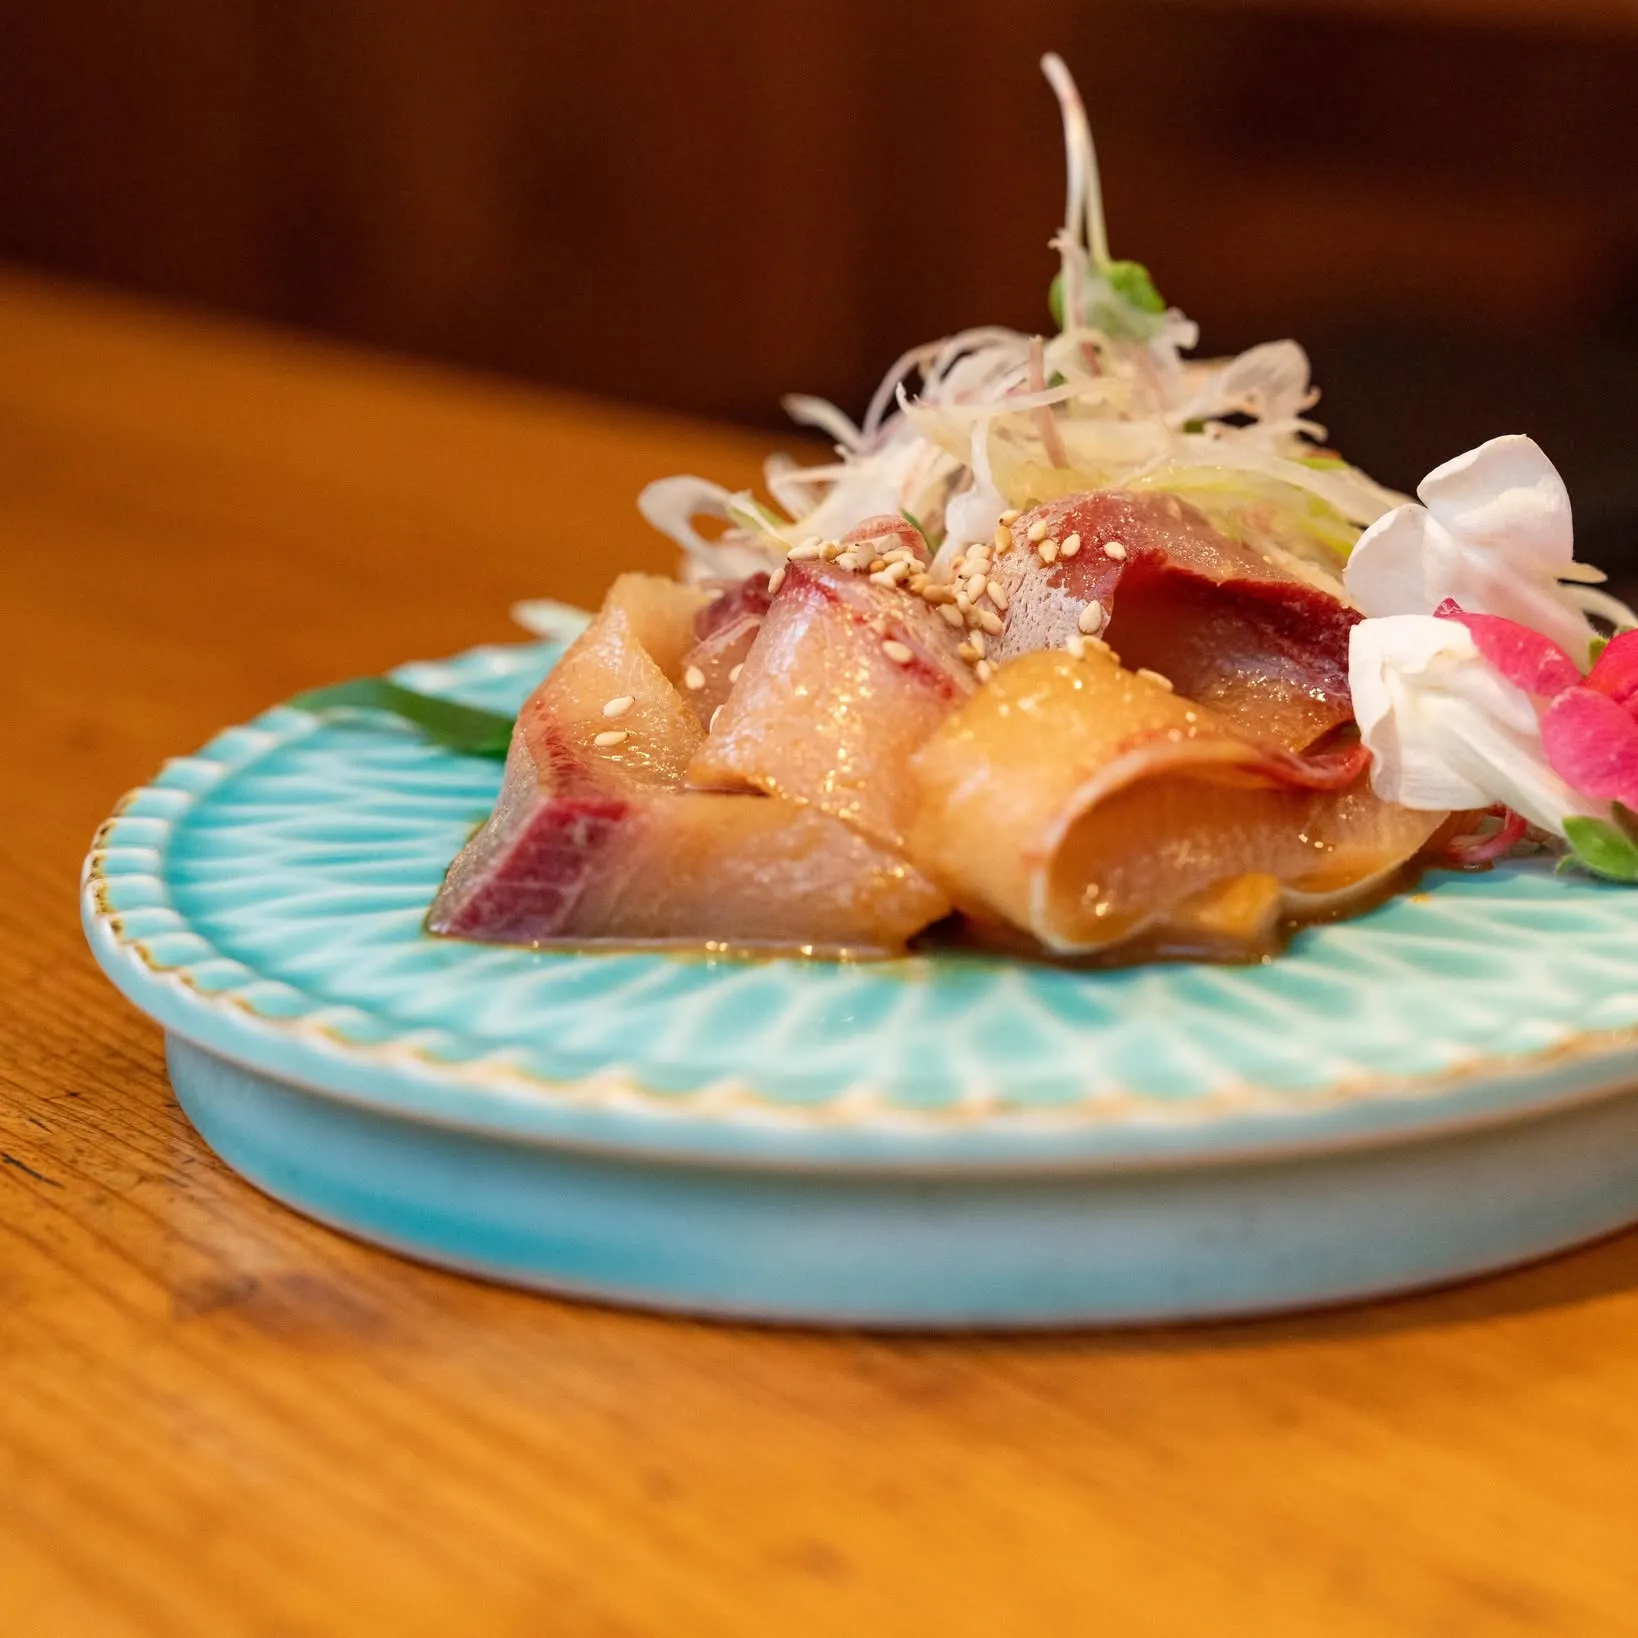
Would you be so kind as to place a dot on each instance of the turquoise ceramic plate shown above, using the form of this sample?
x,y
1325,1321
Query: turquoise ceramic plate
x,y
1438,1088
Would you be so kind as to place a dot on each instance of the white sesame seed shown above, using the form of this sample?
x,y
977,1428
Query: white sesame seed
x,y
979,553
952,614
963,601
1072,545
846,560
1075,645
694,678
899,653
733,676
1115,549
1091,618
877,564
919,583
1155,677
1003,538
903,554
998,594
984,670
976,585
977,640
829,551
775,581
899,569
935,593
969,653
808,549
610,736
990,622
1010,516
1038,531
618,706
1048,550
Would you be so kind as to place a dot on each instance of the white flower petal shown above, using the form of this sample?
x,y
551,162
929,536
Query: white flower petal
x,y
1445,730
1392,563
1505,495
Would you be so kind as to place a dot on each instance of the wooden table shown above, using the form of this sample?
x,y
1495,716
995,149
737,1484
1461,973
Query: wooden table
x,y
216,1418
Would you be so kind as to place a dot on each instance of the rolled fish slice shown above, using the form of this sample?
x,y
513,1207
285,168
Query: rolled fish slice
x,y
1094,809
594,838
1254,637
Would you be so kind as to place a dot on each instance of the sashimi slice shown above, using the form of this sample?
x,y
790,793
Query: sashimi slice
x,y
598,842
691,868
846,678
1229,626
1092,808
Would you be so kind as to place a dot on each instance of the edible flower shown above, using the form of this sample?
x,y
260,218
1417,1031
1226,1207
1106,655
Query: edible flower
x,y
1493,534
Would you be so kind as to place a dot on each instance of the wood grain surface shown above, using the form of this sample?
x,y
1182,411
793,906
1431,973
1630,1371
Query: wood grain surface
x,y
217,1418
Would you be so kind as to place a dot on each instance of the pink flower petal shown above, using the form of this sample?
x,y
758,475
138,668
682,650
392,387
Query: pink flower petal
x,y
1524,657
1615,672
1592,744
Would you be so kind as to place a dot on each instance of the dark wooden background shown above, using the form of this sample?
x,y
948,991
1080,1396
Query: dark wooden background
x,y
704,205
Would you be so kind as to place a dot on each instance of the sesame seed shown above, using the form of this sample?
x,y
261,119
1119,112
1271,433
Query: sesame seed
x,y
1155,677
733,676
1072,545
1091,618
899,653
846,560
976,586
1010,516
808,549
935,593
998,594
694,678
963,601
775,581
829,551
1037,531
618,706
1003,539
1075,645
984,670
877,564
979,553
952,614
610,737
903,554
969,653
1115,549
1048,550
978,643
990,622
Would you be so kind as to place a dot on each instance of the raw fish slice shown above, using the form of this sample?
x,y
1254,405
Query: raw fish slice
x,y
1092,807
594,843
709,666
1229,626
630,651
690,868
846,678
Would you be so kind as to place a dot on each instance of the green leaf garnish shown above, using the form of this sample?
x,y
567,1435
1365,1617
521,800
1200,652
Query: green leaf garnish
x,y
1322,463
1605,849
463,728
1597,647
1131,282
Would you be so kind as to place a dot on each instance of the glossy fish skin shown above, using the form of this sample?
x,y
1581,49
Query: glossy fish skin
x,y
1232,628
1092,807
594,843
